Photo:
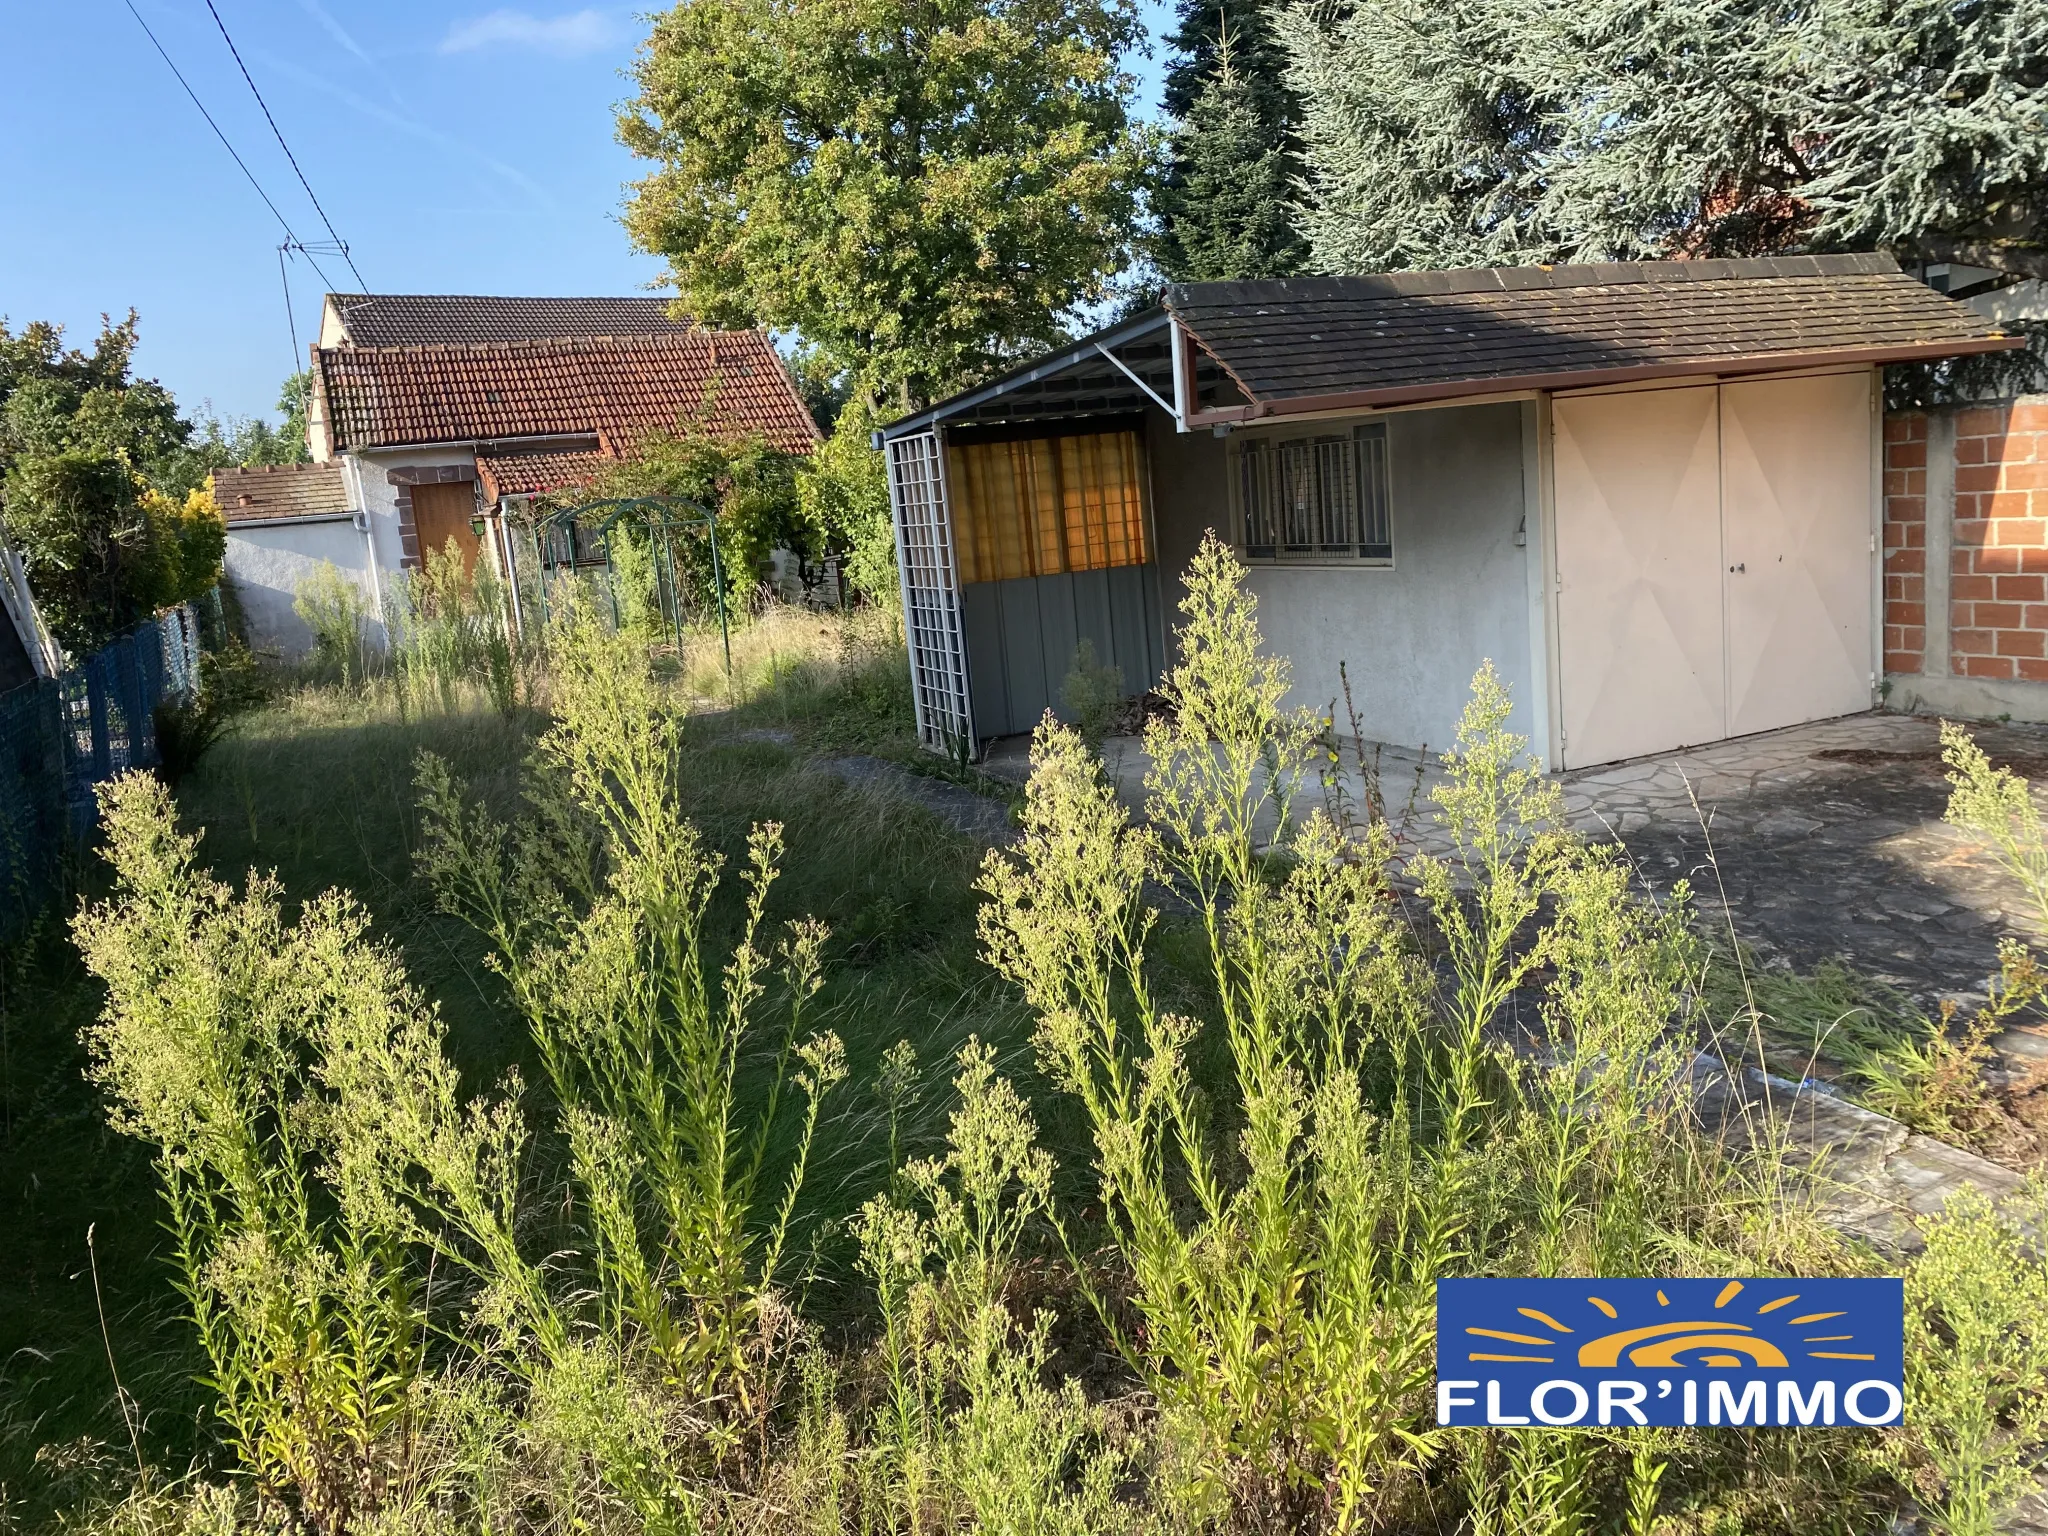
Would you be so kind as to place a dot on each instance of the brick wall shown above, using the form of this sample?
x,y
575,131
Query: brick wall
x,y
1998,614
1996,540
1905,541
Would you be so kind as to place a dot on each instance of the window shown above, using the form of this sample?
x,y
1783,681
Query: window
x,y
1315,498
1042,506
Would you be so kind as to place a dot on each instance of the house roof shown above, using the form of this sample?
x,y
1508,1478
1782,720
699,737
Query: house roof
x,y
516,472
1335,342
1262,349
280,490
452,319
616,388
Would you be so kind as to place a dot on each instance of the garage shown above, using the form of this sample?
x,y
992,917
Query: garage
x,y
1717,560
1647,494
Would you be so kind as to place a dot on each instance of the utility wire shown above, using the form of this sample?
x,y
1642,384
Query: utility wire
x,y
341,244
224,144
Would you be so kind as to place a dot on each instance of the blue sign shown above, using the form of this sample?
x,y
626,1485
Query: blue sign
x,y
1712,1353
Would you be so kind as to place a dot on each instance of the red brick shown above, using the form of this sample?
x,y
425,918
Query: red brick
x,y
1973,450
2022,642
2030,418
2031,475
1970,588
1902,662
1987,666
2036,616
1972,530
1977,477
2006,558
2032,668
2031,560
1974,642
1963,562
1905,424
1982,421
2022,589
1906,613
1906,456
2003,504
1906,509
2020,532
1906,561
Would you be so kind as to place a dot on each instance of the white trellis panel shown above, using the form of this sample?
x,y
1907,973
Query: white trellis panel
x,y
931,593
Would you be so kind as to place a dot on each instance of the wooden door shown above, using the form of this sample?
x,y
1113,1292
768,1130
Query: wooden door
x,y
444,512
1639,572
1795,467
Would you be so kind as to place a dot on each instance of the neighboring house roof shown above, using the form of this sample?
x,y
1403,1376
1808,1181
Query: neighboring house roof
x,y
520,473
617,388
280,490
1333,342
438,319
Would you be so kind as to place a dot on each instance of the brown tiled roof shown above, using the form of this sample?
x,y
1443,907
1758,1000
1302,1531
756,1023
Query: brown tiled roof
x,y
519,474
455,320
1339,341
620,388
280,490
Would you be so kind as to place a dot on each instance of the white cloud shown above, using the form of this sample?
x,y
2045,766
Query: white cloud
x,y
569,36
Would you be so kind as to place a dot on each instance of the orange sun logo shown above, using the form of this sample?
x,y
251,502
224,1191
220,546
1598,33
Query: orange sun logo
x,y
1716,1342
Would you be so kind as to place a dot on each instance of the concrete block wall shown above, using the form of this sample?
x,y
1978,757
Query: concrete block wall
x,y
1966,558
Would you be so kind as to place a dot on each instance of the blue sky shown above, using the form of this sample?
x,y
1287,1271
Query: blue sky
x,y
459,148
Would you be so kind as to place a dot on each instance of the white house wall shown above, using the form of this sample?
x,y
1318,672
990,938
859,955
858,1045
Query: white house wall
x,y
379,498
267,562
1411,635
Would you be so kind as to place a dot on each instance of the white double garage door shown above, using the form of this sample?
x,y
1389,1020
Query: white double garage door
x,y
1716,561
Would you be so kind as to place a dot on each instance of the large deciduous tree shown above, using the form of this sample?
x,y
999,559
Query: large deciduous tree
x,y
1225,202
921,189
1463,131
102,483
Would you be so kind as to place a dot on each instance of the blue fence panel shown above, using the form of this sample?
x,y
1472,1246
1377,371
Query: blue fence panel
x,y
61,736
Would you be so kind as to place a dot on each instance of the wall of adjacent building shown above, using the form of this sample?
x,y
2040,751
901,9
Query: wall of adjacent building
x,y
268,561
1966,559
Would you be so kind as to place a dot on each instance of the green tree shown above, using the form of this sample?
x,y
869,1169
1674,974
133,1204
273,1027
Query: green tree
x,y
843,498
1233,153
921,190
1471,131
102,483
1226,204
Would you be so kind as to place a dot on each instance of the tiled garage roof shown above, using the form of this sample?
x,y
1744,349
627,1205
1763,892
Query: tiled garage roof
x,y
280,490
455,320
1332,342
620,388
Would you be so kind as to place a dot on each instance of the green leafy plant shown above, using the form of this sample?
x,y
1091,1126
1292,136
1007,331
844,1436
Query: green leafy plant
x,y
1091,693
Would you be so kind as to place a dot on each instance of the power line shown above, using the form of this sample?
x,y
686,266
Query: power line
x,y
341,244
224,144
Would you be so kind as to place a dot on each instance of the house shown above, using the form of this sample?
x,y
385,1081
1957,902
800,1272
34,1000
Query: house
x,y
1649,493
433,417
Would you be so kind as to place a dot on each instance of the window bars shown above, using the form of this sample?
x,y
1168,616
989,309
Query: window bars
x,y
1315,498
931,594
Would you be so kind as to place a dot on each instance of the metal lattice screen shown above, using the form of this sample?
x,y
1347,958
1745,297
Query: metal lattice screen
x,y
931,592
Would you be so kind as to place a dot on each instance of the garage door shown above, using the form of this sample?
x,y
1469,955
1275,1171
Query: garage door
x,y
1795,498
1714,562
1639,557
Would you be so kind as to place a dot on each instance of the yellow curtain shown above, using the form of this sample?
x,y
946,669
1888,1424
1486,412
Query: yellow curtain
x,y
1043,506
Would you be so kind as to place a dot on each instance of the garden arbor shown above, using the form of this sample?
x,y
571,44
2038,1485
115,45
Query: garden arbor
x,y
587,535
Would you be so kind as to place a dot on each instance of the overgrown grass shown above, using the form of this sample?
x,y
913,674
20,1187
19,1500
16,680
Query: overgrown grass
x,y
1075,1210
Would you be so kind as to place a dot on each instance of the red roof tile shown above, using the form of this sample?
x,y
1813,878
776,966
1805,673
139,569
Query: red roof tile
x,y
520,474
622,388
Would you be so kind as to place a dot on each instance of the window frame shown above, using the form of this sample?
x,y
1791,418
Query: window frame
x,y
1303,457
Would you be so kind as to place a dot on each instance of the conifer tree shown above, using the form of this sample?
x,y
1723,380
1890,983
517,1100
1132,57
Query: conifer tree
x,y
1226,202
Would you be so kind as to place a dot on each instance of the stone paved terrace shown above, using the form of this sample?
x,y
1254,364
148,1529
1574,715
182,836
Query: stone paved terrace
x,y
1819,841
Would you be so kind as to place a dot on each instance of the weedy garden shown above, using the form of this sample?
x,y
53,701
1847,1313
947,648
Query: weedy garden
x,y
545,1101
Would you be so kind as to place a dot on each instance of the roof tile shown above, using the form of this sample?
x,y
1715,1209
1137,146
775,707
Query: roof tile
x,y
454,319
280,490
621,388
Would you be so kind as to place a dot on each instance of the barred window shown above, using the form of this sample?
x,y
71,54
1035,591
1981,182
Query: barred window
x,y
1315,498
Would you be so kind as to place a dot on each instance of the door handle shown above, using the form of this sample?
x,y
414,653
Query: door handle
x,y
1743,566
